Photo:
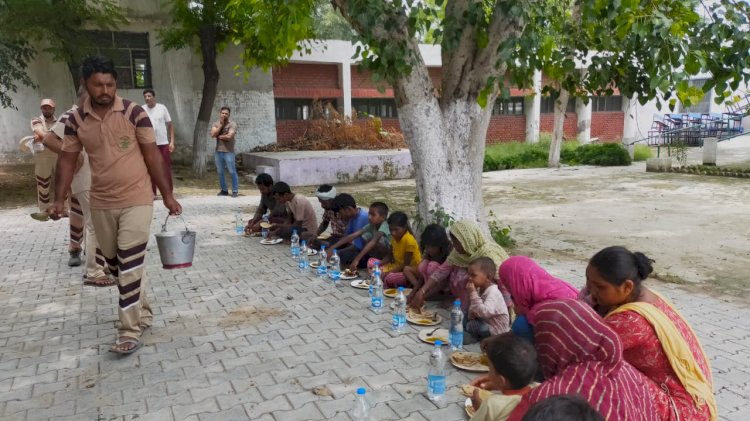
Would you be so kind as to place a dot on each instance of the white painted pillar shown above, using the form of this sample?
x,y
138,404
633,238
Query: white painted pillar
x,y
533,109
345,82
583,112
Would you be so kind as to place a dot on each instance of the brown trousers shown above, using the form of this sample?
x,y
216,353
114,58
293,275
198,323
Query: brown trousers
x,y
45,163
81,226
123,235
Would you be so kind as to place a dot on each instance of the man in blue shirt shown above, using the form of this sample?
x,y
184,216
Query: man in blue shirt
x,y
349,248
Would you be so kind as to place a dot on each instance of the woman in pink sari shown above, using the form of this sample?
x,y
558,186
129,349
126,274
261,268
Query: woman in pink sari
x,y
530,285
580,355
656,339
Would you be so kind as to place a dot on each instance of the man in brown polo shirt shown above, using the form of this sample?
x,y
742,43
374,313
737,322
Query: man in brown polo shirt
x,y
44,159
224,131
121,145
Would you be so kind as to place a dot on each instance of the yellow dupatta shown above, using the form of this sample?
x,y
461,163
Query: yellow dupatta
x,y
698,385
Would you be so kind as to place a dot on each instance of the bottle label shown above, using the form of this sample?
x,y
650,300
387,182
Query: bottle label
x,y
302,264
295,251
377,302
436,384
399,321
321,270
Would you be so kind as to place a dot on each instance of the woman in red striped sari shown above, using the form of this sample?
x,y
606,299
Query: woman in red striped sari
x,y
580,355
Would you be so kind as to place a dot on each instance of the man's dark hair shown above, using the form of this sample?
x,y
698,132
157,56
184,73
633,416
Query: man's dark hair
x,y
512,357
381,208
264,180
344,200
229,110
149,91
97,64
324,188
562,408
281,188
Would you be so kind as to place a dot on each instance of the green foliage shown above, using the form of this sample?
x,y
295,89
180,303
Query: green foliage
x,y
59,25
603,154
500,233
512,155
15,55
679,150
641,153
329,24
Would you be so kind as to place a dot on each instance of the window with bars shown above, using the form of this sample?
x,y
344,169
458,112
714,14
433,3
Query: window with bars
x,y
510,106
128,50
302,108
606,103
547,105
376,107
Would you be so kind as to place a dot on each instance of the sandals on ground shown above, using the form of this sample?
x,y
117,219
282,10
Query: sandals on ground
x,y
137,344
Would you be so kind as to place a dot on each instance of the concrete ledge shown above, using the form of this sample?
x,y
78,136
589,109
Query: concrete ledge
x,y
307,168
658,164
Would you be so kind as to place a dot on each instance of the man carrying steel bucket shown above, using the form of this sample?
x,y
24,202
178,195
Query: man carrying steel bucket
x,y
121,145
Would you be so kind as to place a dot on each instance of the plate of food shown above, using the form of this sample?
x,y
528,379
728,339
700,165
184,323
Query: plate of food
x,y
348,274
324,236
270,242
470,361
252,234
392,292
469,407
422,317
266,225
361,284
311,252
433,334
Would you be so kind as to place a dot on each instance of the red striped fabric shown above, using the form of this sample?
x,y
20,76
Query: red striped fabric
x,y
580,355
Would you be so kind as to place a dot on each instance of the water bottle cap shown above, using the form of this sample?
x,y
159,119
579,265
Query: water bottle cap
x,y
303,242
457,303
361,391
401,289
335,250
438,343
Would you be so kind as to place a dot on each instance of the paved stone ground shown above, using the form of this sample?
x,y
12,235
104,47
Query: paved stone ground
x,y
241,335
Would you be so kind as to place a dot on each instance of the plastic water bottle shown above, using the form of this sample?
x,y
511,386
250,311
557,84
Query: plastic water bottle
x,y
302,263
361,411
322,262
335,268
376,298
295,245
399,312
457,327
239,228
263,230
375,272
436,375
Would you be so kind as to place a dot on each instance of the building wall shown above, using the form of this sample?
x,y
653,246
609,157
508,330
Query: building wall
x,y
306,80
506,128
177,79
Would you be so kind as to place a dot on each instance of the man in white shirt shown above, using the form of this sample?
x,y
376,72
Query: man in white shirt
x,y
162,122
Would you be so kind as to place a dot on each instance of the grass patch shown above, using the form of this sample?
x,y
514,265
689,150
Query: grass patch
x,y
505,156
669,278
642,153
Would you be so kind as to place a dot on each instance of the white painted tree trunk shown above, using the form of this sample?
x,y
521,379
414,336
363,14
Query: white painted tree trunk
x,y
561,105
447,148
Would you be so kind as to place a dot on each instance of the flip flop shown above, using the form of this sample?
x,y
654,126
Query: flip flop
x,y
137,342
100,282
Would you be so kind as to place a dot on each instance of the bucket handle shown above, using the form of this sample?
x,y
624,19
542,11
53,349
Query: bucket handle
x,y
164,225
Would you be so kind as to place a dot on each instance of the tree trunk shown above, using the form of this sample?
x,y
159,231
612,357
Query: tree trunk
x,y
447,148
561,105
211,75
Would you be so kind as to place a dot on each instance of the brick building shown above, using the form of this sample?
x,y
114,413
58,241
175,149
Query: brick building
x,y
329,75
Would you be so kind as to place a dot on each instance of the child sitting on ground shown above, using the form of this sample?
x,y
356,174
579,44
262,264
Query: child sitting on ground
x,y
435,248
404,252
361,242
488,314
513,363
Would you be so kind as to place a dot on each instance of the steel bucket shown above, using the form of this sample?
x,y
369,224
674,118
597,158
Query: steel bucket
x,y
176,248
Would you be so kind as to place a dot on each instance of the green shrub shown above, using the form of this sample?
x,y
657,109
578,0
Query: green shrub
x,y
603,154
499,233
642,153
